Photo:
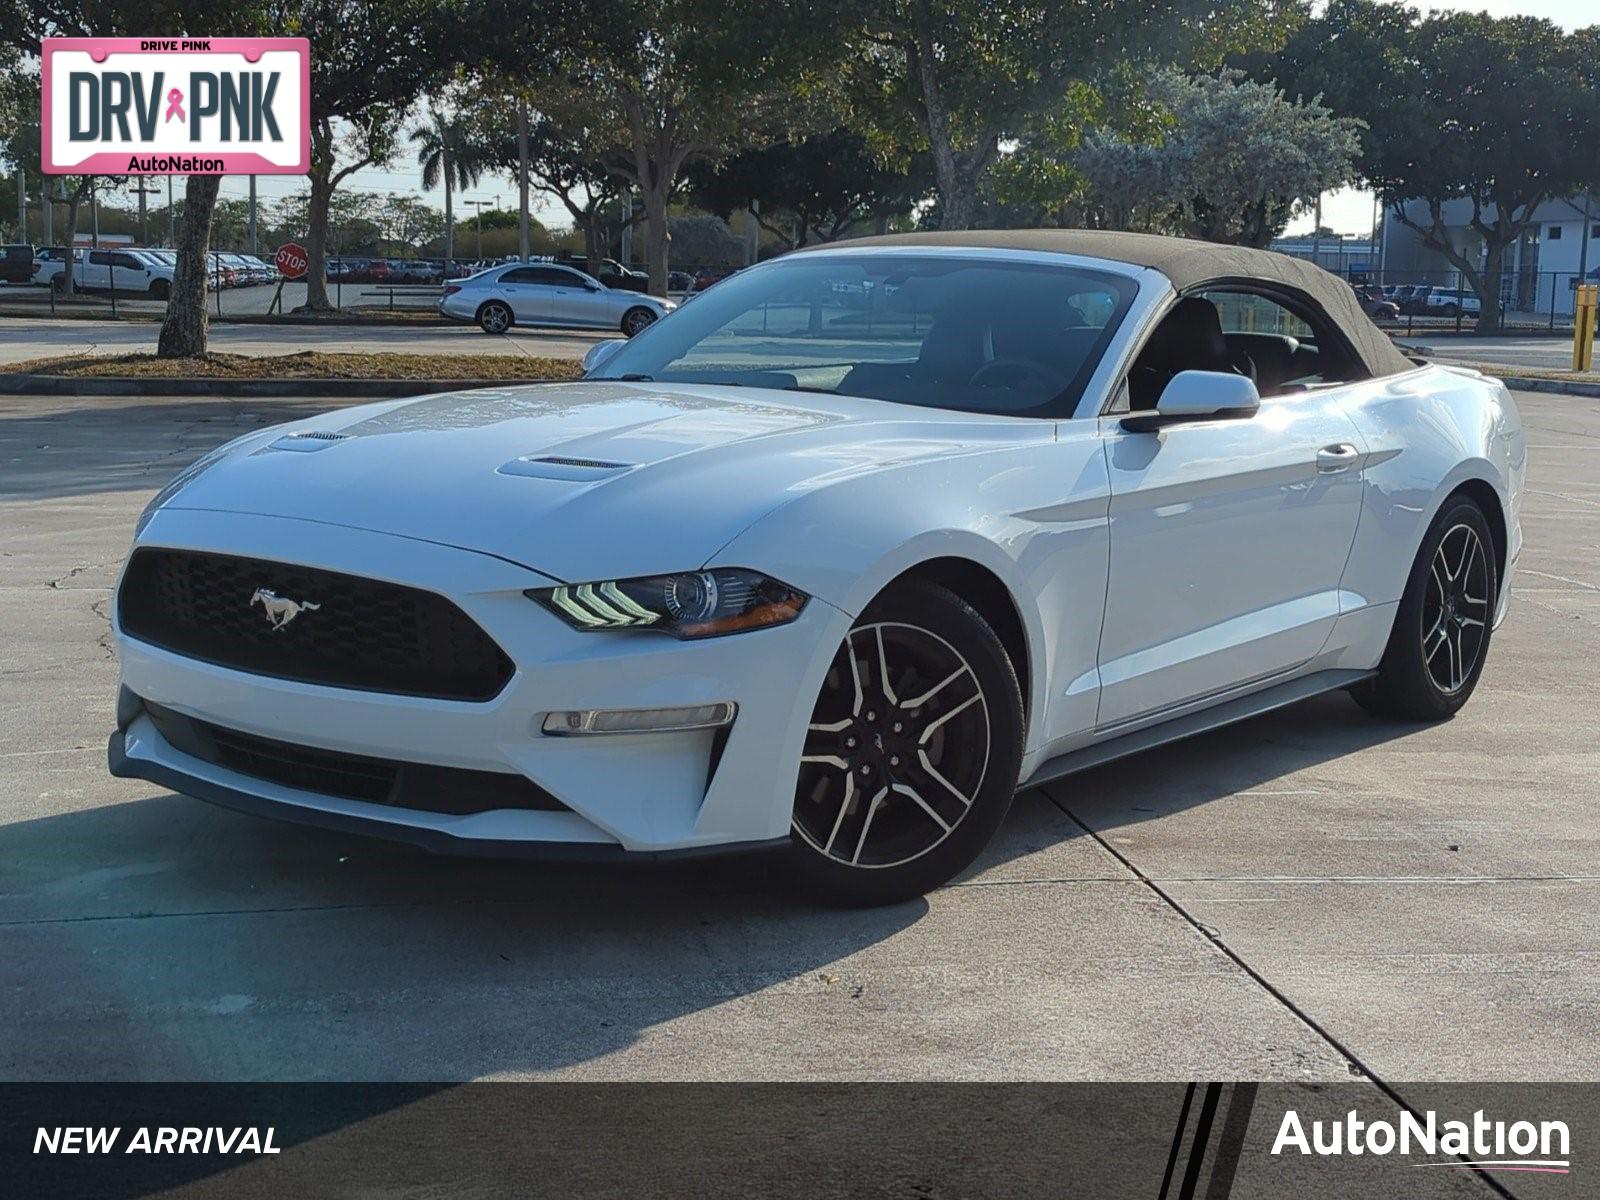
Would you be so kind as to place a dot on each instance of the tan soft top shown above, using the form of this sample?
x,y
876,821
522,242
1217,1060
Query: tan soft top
x,y
1189,265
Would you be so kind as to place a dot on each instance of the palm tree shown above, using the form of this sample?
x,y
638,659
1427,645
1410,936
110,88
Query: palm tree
x,y
447,150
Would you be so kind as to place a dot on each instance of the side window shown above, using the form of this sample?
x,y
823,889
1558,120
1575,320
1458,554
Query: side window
x,y
127,260
556,277
100,258
521,275
1287,347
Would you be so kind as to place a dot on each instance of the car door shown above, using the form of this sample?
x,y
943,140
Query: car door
x,y
1228,537
528,293
578,299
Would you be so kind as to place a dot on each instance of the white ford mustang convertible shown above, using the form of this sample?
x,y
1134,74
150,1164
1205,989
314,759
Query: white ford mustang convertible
x,y
833,559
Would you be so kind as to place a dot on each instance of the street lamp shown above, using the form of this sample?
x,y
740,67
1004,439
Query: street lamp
x,y
480,205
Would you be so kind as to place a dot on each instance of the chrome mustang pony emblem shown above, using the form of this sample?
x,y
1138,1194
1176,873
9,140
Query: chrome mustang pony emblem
x,y
280,609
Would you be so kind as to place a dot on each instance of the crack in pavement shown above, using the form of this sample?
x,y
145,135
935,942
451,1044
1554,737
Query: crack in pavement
x,y
1357,1067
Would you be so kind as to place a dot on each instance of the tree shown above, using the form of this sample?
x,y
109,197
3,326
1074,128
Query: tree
x,y
1459,107
372,58
1236,161
958,77
657,84
817,187
447,151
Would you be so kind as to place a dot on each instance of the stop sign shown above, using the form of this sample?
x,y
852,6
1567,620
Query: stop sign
x,y
291,260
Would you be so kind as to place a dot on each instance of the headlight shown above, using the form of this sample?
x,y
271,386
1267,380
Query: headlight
x,y
694,604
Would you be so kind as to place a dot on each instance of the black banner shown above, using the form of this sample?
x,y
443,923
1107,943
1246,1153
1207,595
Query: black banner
x,y
1160,1141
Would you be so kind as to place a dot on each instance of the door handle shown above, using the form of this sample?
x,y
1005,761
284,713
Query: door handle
x,y
1340,456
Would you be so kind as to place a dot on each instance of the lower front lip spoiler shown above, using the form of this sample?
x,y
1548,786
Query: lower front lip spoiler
x,y
432,840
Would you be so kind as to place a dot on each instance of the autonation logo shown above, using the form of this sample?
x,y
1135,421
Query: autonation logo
x,y
1476,1145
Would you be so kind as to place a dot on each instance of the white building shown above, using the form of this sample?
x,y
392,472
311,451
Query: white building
x,y
1540,268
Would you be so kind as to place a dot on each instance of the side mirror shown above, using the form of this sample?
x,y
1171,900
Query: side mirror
x,y
600,353
1198,396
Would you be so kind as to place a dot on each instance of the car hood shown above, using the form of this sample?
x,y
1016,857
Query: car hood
x,y
579,480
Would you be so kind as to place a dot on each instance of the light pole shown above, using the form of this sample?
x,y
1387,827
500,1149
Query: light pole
x,y
142,191
522,180
479,206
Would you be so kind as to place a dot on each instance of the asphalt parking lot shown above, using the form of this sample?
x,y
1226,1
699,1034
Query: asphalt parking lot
x,y
1312,895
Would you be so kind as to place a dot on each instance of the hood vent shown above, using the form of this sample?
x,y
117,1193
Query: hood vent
x,y
559,466
308,440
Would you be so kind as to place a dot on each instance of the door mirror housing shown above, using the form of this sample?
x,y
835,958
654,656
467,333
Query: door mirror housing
x,y
600,353
1198,396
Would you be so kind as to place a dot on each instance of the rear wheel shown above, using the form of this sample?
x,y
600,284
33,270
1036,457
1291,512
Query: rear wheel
x,y
637,320
912,753
1442,628
494,317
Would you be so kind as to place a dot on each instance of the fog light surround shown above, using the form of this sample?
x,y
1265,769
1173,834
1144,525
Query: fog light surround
x,y
587,722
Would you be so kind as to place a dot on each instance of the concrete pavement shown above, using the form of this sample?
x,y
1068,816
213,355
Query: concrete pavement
x,y
1313,895
1543,353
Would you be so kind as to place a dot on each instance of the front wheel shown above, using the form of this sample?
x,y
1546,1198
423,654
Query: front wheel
x,y
637,320
160,289
912,752
1442,628
494,317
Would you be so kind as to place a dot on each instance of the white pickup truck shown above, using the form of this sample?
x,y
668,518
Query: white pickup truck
x,y
142,271
1441,302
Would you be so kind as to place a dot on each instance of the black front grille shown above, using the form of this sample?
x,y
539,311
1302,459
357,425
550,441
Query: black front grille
x,y
387,781
353,632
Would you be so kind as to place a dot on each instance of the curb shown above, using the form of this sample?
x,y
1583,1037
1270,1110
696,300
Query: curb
x,y
67,385
1560,387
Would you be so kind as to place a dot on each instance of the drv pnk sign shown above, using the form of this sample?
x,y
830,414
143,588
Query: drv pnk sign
x,y
176,106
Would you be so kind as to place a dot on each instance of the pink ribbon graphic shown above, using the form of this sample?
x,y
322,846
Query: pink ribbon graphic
x,y
175,105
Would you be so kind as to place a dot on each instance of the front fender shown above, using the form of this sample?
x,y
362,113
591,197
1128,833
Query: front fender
x,y
1034,515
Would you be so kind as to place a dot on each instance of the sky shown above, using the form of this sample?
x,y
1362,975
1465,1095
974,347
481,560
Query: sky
x,y
1348,210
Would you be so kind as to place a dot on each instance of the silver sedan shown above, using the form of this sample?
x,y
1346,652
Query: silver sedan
x,y
548,294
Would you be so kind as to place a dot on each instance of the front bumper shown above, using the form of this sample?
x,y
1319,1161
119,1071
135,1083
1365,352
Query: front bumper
x,y
643,793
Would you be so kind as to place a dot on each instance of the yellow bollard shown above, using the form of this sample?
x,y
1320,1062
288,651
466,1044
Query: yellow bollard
x,y
1583,323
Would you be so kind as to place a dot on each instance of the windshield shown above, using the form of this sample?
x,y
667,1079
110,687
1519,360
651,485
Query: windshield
x,y
939,331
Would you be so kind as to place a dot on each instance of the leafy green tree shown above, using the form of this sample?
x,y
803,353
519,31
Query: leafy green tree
x,y
959,77
370,61
1459,107
656,84
1235,163
817,187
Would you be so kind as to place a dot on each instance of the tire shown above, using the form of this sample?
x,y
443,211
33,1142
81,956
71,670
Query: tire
x,y
636,320
160,289
1443,626
495,317
1451,310
895,798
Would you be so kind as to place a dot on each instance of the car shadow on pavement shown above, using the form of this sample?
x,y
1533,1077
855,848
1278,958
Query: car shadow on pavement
x,y
1269,764
164,938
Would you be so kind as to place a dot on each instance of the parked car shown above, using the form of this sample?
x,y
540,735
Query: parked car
x,y
412,270
548,294
707,276
1444,302
16,264
1375,304
680,281
48,263
611,273
753,585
